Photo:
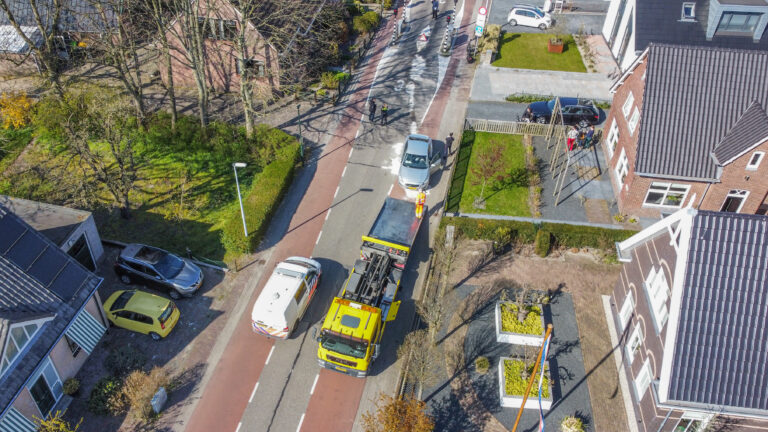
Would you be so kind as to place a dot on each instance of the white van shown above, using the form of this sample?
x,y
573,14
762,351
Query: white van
x,y
285,297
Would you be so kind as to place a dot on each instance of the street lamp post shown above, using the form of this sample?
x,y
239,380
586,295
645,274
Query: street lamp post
x,y
235,166
301,137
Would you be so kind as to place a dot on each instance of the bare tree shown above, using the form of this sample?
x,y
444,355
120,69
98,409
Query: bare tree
x,y
489,166
159,12
418,356
431,311
46,19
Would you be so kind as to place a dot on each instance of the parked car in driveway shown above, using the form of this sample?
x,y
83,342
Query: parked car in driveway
x,y
575,112
418,163
158,269
285,297
142,312
529,16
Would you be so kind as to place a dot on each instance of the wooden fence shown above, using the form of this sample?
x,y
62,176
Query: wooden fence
x,y
509,127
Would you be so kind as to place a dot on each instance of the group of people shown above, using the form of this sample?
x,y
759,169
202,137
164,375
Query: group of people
x,y
580,137
372,111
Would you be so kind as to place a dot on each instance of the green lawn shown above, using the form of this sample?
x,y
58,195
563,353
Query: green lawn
x,y
12,142
529,51
509,197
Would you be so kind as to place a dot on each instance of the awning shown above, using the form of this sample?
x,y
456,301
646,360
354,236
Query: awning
x,y
14,421
86,331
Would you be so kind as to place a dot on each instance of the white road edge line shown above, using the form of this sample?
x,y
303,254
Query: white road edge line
x,y
238,426
357,134
300,422
312,391
337,192
253,393
350,152
390,189
318,237
344,172
270,354
328,213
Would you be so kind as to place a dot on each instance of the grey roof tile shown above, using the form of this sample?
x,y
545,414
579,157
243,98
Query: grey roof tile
x,y
685,115
28,292
748,131
721,350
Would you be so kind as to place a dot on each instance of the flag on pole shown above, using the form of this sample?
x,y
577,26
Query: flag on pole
x,y
541,381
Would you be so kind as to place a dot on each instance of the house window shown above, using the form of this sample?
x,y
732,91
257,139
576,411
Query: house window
x,y
20,335
228,30
755,160
657,289
46,388
627,107
73,346
613,137
738,22
666,194
626,311
633,120
734,200
622,168
250,68
643,380
633,346
217,29
689,12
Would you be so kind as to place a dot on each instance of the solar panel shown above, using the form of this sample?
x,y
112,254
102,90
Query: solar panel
x,y
68,281
26,249
45,268
10,230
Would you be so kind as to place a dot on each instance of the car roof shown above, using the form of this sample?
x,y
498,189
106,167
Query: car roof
x,y
278,291
146,303
417,144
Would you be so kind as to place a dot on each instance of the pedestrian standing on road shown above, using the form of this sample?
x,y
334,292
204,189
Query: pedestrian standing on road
x,y
372,109
572,135
384,112
449,143
435,7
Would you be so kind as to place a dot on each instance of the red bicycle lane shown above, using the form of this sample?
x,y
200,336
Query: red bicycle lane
x,y
226,395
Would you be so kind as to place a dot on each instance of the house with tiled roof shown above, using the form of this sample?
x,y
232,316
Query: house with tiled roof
x,y
689,123
631,25
689,315
50,322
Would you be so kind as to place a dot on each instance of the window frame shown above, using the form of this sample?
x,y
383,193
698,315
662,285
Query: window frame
x,y
622,162
753,166
626,108
633,121
634,343
6,363
653,288
735,193
737,32
625,313
74,347
55,387
658,186
692,16
613,137
645,374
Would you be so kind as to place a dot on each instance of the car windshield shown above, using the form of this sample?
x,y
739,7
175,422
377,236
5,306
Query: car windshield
x,y
415,161
538,12
166,313
169,265
342,345
122,300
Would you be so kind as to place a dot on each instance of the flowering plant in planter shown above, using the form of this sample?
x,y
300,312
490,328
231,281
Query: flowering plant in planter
x,y
513,380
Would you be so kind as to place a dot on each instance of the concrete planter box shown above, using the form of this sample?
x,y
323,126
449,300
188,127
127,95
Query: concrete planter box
x,y
514,401
519,338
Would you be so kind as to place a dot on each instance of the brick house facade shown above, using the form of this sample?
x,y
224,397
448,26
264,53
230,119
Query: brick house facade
x,y
664,134
671,313
223,68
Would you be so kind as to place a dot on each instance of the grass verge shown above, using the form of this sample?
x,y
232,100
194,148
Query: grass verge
x,y
529,51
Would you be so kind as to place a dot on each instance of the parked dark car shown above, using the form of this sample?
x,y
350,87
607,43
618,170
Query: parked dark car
x,y
575,112
158,269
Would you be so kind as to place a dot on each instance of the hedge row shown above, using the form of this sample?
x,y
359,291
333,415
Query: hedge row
x,y
563,235
366,22
260,202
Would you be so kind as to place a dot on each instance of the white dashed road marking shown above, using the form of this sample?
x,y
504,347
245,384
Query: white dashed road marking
x,y
270,354
314,384
253,393
300,422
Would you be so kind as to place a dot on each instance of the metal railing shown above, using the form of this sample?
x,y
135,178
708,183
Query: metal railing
x,y
511,127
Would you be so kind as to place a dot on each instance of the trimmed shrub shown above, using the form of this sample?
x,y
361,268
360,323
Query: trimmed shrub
x,y
510,323
365,23
542,243
569,236
482,365
104,396
515,384
124,359
260,202
572,424
71,386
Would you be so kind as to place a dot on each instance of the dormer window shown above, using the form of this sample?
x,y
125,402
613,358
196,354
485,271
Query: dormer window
x,y
755,160
738,23
20,335
689,12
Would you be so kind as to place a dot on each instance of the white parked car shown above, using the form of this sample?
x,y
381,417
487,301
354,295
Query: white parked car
x,y
529,16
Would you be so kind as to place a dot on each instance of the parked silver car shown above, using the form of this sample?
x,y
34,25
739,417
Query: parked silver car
x,y
158,269
418,163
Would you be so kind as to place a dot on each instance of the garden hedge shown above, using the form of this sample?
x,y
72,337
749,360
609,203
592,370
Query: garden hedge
x,y
563,235
260,202
542,243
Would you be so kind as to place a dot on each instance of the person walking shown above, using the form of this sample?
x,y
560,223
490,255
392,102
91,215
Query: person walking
x,y
589,136
372,109
435,7
449,143
384,112
572,135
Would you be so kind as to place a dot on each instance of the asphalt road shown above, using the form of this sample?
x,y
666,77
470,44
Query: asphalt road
x,y
291,383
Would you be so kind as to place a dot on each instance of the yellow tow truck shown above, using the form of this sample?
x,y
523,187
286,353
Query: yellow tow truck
x,y
351,334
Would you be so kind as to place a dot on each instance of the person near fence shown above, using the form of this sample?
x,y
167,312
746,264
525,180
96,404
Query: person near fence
x,y
590,135
384,112
372,109
449,143
572,135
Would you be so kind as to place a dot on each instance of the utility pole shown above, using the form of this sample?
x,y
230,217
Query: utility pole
x,y
235,166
